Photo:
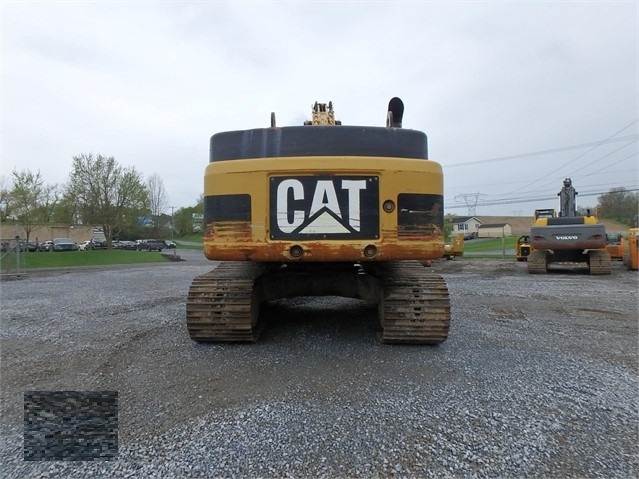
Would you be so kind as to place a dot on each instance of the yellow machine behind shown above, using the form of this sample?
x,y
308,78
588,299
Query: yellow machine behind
x,y
522,248
615,244
322,209
631,250
455,247
568,238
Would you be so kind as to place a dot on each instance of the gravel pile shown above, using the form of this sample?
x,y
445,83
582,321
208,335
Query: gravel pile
x,y
539,378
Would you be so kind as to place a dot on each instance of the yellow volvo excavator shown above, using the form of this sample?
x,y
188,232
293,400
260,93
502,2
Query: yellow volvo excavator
x,y
567,238
322,209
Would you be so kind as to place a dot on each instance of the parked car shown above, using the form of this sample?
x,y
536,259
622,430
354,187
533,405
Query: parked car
x,y
99,243
86,245
46,246
130,245
150,245
65,244
170,244
16,245
24,246
32,246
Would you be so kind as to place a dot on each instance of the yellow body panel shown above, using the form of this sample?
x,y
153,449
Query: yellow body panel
x,y
631,253
237,241
456,247
586,220
522,248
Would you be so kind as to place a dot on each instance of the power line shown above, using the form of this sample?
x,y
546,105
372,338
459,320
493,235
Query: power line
x,y
515,196
539,196
526,194
606,156
546,152
585,153
470,199
610,172
532,199
607,171
539,192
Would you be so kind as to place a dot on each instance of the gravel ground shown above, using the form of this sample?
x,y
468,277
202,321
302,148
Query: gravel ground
x,y
539,378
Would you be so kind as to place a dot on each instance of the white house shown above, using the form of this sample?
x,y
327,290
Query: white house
x,y
468,225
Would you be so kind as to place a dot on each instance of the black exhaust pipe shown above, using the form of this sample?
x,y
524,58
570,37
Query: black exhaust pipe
x,y
395,113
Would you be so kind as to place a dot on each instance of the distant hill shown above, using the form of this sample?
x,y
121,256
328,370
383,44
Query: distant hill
x,y
521,224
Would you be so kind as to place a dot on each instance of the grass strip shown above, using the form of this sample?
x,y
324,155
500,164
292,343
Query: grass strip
x,y
65,259
491,244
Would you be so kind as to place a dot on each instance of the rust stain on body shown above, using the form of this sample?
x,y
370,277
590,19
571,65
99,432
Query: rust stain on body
x,y
335,251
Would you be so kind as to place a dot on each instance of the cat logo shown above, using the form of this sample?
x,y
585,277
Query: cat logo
x,y
327,207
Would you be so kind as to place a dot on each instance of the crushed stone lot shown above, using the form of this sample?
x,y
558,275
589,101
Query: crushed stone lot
x,y
539,378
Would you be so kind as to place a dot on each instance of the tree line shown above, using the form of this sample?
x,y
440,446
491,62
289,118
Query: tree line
x,y
619,204
99,192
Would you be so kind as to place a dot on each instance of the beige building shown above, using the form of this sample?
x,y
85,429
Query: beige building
x,y
44,232
494,230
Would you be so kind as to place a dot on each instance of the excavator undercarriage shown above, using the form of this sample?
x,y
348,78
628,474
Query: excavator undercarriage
x,y
413,303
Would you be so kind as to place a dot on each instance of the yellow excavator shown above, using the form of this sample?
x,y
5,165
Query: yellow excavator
x,y
631,247
455,247
567,238
522,248
322,209
615,244
631,250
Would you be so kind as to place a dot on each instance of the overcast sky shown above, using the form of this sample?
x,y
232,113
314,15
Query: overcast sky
x,y
514,96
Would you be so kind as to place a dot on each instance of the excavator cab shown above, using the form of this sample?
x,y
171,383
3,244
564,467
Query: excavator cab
x,y
545,213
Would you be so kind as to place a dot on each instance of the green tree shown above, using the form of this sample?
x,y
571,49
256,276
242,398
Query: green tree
x,y
584,210
51,196
105,192
65,211
29,198
183,217
5,199
619,204
183,221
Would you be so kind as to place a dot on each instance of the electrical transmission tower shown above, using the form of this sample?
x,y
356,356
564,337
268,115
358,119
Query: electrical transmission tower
x,y
470,200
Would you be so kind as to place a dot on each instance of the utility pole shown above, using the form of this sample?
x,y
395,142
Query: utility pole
x,y
470,199
173,228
